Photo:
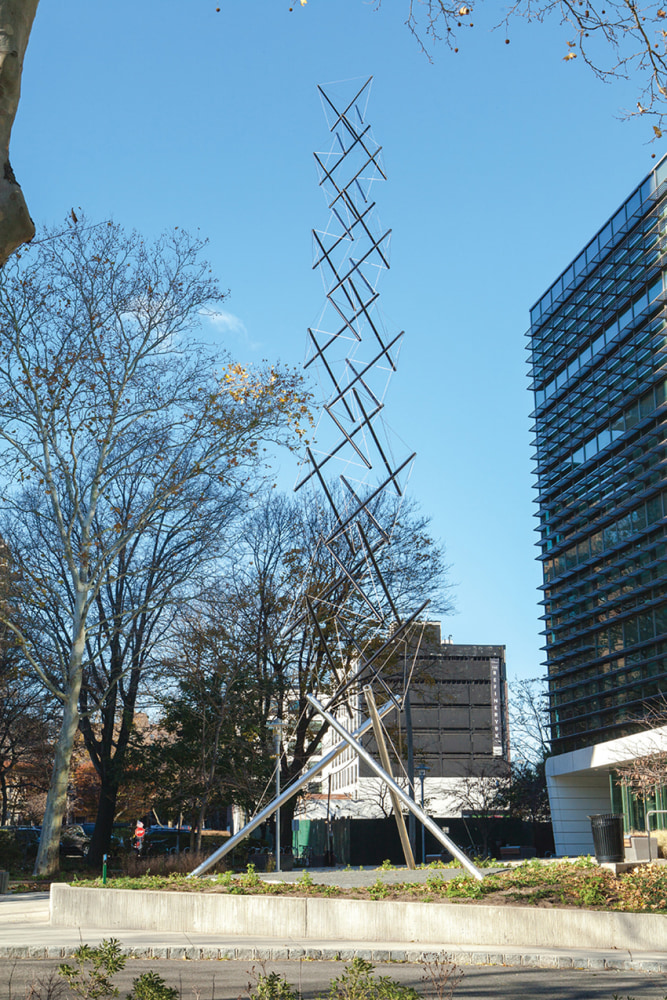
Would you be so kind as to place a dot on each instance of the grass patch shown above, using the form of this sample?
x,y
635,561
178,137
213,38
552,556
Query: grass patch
x,y
580,884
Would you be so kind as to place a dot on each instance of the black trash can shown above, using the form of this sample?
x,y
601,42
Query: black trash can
x,y
607,830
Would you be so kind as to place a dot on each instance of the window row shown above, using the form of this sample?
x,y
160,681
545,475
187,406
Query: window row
x,y
651,659
619,636
638,361
612,535
606,337
604,606
632,209
595,301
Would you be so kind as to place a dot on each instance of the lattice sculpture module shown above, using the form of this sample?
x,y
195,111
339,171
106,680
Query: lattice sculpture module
x,y
357,463
356,460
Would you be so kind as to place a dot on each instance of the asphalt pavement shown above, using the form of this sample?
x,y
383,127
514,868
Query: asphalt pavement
x,y
234,980
220,966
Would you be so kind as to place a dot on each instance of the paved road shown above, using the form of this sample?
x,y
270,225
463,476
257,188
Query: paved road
x,y
205,980
357,878
25,933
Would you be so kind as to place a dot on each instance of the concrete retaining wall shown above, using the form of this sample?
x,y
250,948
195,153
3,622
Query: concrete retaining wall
x,y
291,919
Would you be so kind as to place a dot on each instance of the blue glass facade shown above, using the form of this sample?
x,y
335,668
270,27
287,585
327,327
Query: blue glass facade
x,y
598,344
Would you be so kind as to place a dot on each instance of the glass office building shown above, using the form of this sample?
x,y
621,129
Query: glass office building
x,y
598,343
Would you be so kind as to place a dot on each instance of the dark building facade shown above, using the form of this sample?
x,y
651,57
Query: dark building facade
x,y
598,348
458,705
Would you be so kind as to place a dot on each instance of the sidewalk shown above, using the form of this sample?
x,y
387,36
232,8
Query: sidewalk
x,y
25,932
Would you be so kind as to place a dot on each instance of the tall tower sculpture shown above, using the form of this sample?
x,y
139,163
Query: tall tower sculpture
x,y
359,465
349,612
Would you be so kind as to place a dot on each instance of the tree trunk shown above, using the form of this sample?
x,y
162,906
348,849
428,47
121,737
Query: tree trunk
x,y
16,226
5,801
106,812
48,855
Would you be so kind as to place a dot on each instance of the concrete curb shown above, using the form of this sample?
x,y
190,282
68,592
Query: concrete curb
x,y
622,960
370,924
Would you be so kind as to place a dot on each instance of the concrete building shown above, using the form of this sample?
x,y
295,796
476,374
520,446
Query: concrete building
x,y
458,705
597,341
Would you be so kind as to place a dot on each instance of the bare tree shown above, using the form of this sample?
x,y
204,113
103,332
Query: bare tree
x,y
150,579
27,727
282,547
480,797
647,771
529,720
101,384
614,38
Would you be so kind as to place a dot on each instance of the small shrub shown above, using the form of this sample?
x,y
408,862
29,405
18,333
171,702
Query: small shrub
x,y
250,878
90,977
359,983
272,986
441,977
48,988
379,889
387,866
151,986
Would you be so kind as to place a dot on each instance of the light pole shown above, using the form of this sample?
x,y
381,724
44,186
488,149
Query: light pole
x,y
421,770
277,726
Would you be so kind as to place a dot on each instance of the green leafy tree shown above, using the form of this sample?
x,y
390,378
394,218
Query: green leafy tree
x,y
208,749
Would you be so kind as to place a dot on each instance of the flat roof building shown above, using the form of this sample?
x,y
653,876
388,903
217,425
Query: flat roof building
x,y
458,703
598,349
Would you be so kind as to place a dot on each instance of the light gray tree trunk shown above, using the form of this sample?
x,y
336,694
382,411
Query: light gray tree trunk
x,y
16,226
48,855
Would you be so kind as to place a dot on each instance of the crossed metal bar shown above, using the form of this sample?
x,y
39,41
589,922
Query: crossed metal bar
x,y
350,254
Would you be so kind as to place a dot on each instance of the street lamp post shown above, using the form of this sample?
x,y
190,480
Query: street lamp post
x,y
421,771
277,726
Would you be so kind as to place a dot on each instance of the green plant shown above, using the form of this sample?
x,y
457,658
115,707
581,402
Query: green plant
x,y
151,986
358,982
250,877
464,887
591,892
90,977
271,986
305,881
387,866
378,890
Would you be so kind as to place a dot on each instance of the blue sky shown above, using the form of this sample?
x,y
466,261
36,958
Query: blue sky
x,y
502,161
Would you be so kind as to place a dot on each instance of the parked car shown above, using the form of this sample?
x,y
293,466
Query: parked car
x,y
74,841
166,840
